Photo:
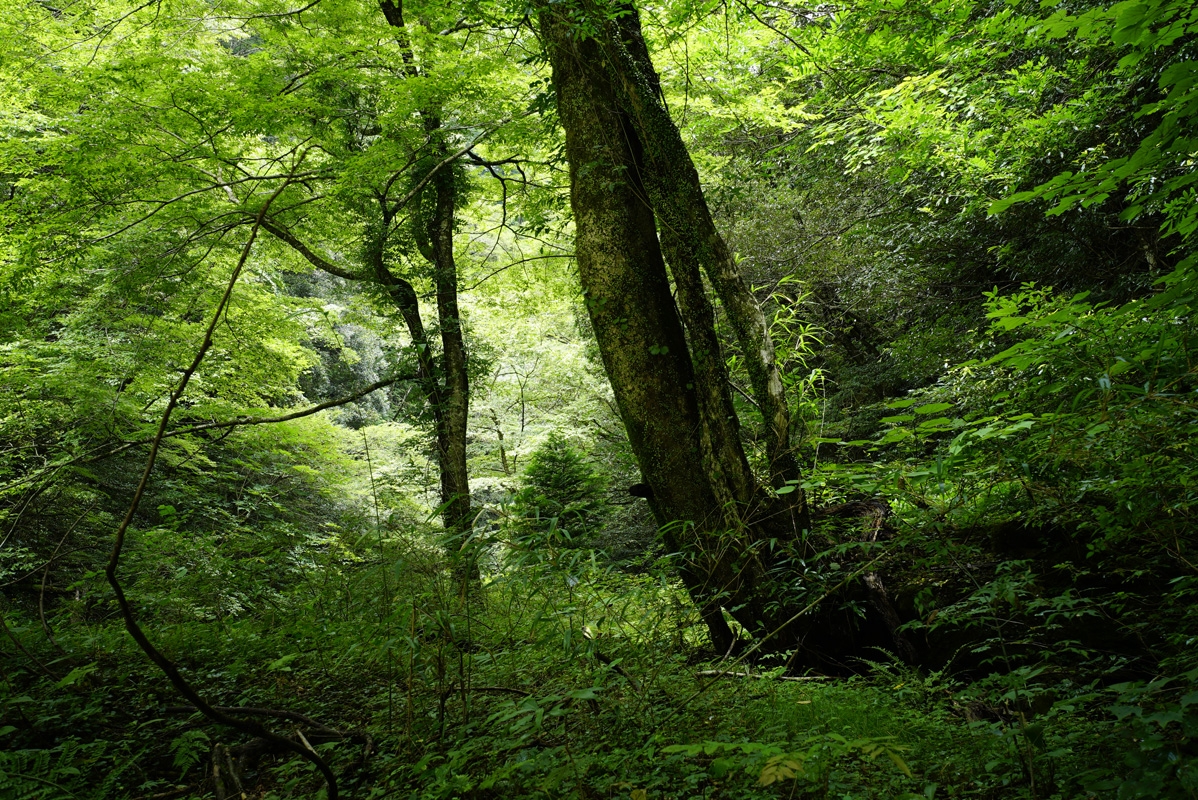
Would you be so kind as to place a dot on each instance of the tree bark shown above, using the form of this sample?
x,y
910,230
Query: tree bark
x,y
434,238
692,243
452,413
676,410
742,548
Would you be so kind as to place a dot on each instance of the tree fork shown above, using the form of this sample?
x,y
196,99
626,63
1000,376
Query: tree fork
x,y
692,241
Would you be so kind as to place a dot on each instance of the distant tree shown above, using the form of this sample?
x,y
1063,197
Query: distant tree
x,y
559,484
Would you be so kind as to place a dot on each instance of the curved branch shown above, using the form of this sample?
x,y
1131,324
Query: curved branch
x,y
91,459
161,204
168,667
238,422
449,159
323,264
261,712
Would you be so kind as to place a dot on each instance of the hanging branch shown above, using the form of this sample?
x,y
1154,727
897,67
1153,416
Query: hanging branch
x,y
167,666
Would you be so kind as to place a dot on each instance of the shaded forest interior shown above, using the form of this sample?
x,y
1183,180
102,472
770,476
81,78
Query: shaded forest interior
x,y
598,399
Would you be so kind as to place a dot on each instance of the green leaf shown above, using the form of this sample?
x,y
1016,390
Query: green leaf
x,y
281,664
1127,25
999,206
898,762
76,675
933,408
1035,735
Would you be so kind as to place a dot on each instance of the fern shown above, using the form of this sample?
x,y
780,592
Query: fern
x,y
189,748
32,774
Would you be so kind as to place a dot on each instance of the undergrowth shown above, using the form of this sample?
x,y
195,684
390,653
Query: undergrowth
x,y
560,678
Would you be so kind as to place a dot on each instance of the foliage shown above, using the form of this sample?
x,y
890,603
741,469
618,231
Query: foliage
x,y
560,489
810,762
1154,40
971,226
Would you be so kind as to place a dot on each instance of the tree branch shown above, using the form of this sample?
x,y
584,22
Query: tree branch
x,y
286,236
234,423
168,667
91,459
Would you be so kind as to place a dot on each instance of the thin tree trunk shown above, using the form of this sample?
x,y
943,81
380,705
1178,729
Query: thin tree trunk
x,y
451,410
445,385
455,408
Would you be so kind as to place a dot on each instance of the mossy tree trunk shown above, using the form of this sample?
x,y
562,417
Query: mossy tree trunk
x,y
451,412
663,359
645,241
692,244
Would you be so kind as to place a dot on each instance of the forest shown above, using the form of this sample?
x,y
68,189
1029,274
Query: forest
x,y
598,399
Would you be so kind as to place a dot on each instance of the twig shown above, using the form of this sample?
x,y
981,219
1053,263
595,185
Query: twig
x,y
182,790
260,712
41,597
304,739
501,690
205,426
615,665
45,670
236,423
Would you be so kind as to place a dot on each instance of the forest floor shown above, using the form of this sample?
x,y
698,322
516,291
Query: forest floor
x,y
557,679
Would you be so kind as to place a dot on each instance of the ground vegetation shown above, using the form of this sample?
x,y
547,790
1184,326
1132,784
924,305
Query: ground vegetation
x,y
592,398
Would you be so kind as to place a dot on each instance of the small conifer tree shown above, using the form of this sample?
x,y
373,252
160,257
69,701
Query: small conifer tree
x,y
560,484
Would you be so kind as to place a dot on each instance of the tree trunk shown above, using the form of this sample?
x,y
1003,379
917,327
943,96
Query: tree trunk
x,y
692,243
445,385
630,175
434,238
679,421
454,410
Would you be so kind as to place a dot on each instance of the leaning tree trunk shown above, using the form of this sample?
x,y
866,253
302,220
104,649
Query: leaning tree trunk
x,y
691,241
630,175
683,434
